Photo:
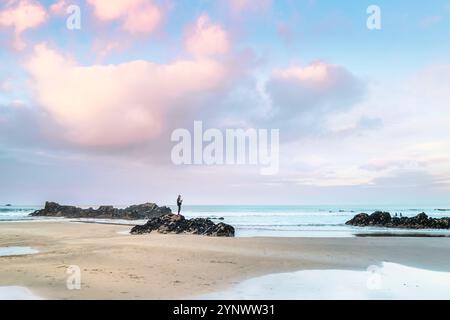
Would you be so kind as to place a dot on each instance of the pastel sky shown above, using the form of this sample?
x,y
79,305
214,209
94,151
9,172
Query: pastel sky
x,y
86,115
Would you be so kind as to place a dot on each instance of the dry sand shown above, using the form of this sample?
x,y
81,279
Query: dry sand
x,y
115,265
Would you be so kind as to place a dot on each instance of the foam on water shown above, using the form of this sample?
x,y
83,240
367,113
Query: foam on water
x,y
390,281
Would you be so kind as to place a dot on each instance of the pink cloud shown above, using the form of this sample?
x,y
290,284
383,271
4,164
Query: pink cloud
x,y
21,15
59,7
114,9
206,39
136,16
116,105
318,74
144,20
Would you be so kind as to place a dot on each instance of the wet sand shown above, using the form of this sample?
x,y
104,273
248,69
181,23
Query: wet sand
x,y
115,265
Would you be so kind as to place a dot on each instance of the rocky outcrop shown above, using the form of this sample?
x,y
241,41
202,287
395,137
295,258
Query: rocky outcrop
x,y
172,223
136,212
384,219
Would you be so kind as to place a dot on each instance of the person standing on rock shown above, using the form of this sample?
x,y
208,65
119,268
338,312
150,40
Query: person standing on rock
x,y
179,203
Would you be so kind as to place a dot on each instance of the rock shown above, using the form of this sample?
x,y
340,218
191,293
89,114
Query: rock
x,y
380,218
375,219
384,219
361,219
216,218
172,223
136,212
8,205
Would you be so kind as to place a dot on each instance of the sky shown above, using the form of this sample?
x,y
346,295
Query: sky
x,y
86,114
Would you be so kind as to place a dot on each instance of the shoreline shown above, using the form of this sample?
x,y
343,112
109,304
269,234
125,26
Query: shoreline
x,y
243,232
116,265
399,235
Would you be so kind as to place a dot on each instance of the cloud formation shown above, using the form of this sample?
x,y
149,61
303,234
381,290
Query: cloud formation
x,y
116,105
206,38
60,7
303,96
135,16
22,15
405,130
119,99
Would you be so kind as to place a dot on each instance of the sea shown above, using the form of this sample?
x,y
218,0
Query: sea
x,y
276,221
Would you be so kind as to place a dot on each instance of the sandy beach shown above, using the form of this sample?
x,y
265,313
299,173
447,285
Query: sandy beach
x,y
115,265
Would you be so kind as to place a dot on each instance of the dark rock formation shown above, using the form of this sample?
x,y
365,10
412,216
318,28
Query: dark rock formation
x,y
384,219
136,212
216,218
172,223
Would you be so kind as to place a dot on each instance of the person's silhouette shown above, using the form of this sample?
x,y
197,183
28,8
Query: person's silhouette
x,y
179,203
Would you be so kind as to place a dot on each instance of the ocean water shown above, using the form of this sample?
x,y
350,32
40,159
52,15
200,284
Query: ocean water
x,y
306,221
278,221
15,213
